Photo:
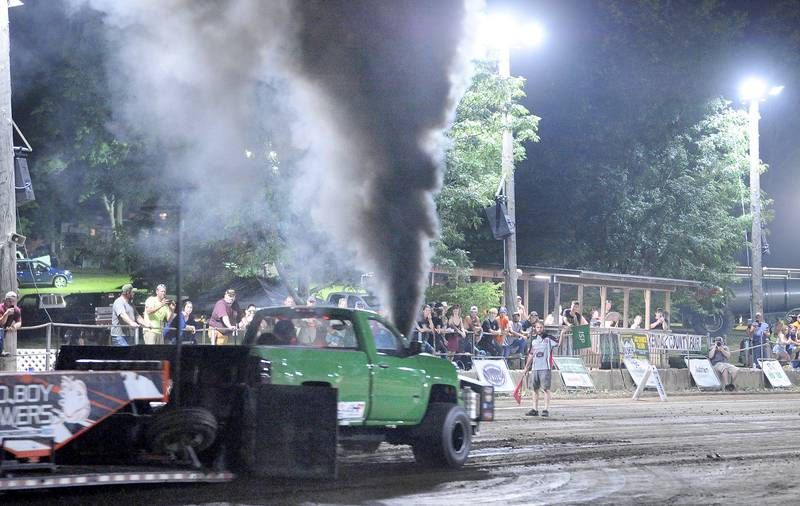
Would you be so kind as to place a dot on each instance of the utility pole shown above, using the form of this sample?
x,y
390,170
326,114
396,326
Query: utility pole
x,y
756,272
8,203
507,168
753,91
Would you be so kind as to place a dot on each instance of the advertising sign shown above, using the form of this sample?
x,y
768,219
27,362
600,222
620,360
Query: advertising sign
x,y
580,337
664,341
494,371
637,367
635,346
703,374
60,406
774,373
573,373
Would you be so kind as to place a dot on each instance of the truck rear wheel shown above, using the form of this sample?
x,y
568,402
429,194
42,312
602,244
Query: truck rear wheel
x,y
444,437
173,429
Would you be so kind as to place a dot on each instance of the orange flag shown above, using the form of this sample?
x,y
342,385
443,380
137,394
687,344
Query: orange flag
x,y
518,390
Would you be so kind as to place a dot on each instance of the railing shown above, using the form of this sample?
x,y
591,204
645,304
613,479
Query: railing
x,y
609,345
33,348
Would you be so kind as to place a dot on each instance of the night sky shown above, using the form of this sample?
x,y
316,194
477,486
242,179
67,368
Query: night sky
x,y
766,47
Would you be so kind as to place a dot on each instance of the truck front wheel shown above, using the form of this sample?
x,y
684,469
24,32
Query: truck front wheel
x,y
444,437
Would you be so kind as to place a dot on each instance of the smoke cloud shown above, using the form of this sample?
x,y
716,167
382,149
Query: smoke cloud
x,y
363,89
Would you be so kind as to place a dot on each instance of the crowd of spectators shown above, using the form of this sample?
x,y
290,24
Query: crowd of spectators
x,y
443,330
780,341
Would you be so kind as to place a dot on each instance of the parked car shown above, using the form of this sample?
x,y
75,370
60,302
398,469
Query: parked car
x,y
32,272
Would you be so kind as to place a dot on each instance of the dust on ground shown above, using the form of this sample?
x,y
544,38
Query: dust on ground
x,y
695,449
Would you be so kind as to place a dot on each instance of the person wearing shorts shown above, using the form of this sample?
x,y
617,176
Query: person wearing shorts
x,y
538,365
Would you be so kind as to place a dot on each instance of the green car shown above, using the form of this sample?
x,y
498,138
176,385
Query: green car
x,y
387,390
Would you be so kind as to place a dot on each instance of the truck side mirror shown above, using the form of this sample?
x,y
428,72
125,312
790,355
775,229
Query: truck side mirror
x,y
415,347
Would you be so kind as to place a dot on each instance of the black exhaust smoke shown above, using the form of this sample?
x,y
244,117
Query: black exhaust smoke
x,y
363,88
388,68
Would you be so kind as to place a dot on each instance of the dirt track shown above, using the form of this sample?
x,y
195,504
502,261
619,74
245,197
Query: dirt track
x,y
695,449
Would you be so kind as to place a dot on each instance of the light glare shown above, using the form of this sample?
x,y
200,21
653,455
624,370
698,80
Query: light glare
x,y
753,89
502,30
775,90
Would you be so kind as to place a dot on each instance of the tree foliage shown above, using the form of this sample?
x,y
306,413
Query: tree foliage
x,y
473,161
643,172
485,295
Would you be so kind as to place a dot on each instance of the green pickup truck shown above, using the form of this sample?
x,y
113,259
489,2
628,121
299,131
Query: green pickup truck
x,y
387,390
305,381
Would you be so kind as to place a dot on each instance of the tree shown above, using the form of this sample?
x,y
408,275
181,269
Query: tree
x,y
81,158
680,213
473,161
640,170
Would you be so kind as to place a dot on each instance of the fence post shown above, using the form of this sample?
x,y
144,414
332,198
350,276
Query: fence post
x,y
136,335
47,346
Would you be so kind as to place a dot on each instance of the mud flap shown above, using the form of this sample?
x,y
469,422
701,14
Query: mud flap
x,y
296,432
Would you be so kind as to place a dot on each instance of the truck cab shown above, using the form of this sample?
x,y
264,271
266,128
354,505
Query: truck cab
x,y
378,378
387,390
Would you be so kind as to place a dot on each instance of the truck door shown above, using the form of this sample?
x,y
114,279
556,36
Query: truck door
x,y
397,385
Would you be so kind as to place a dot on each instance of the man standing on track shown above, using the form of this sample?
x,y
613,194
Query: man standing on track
x,y
538,363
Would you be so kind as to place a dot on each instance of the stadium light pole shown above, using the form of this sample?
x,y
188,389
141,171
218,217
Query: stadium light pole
x,y
502,33
754,91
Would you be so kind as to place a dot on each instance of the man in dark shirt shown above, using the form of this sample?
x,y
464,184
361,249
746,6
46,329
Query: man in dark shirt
x,y
572,315
528,323
424,329
491,329
224,318
439,327
660,322
10,319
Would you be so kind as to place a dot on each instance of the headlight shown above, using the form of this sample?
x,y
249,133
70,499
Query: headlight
x,y
487,404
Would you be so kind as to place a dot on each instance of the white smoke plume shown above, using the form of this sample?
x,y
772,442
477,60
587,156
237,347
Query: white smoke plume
x,y
366,89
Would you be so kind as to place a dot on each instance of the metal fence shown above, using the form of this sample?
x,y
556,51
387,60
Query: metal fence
x,y
609,346
35,347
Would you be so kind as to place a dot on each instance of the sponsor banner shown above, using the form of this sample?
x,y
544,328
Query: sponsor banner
x,y
634,346
664,341
580,337
637,367
703,374
775,374
62,405
494,371
573,372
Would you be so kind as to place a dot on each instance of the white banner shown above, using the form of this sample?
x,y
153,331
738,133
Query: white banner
x,y
774,373
637,368
703,374
663,341
494,371
573,372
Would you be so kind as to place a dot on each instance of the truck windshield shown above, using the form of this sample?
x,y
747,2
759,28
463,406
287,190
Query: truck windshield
x,y
315,332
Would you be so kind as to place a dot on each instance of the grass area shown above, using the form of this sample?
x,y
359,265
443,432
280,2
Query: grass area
x,y
86,282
